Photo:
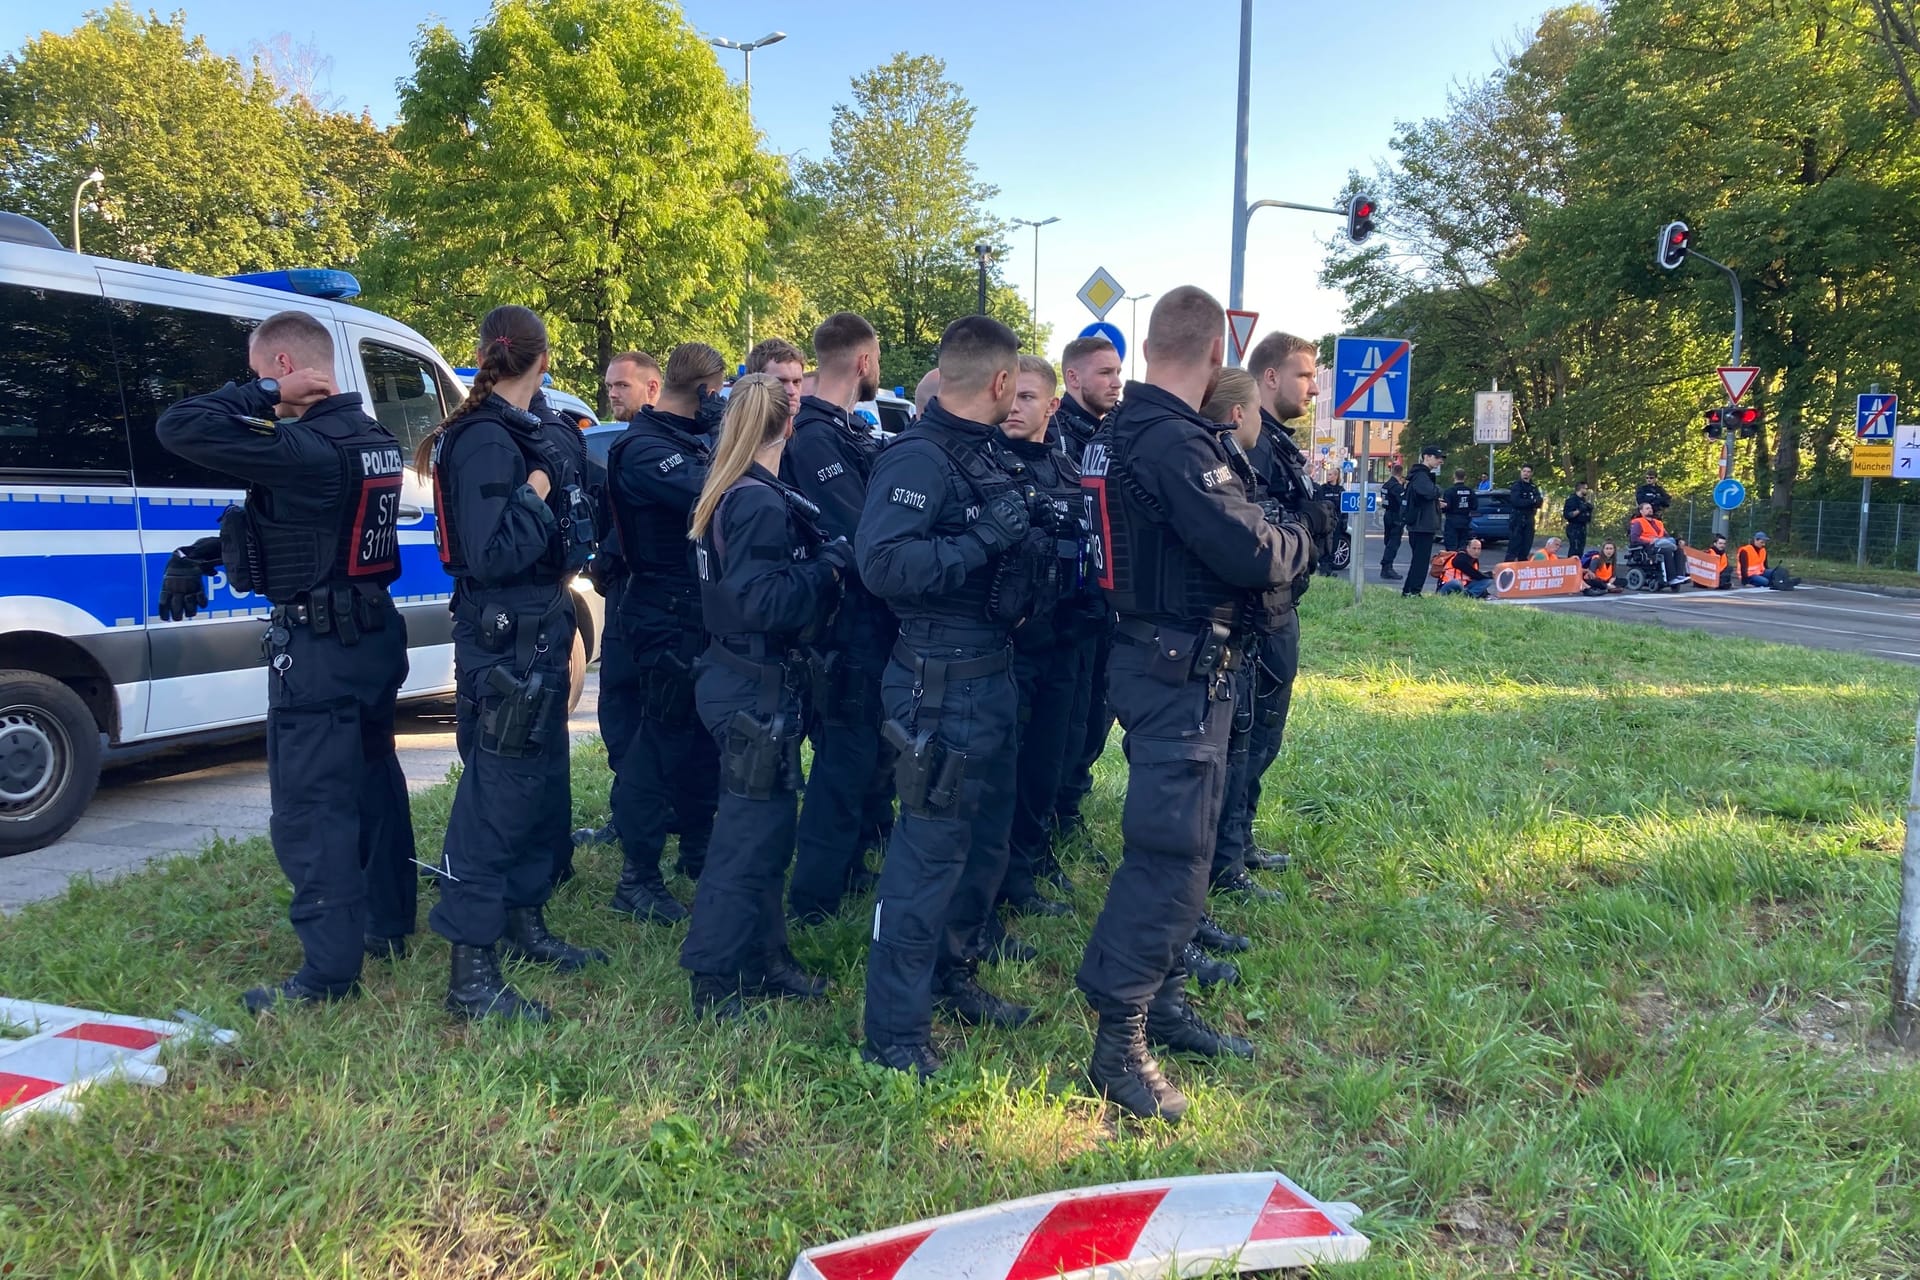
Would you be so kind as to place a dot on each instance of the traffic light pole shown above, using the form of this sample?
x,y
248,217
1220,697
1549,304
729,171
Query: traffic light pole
x,y
1720,522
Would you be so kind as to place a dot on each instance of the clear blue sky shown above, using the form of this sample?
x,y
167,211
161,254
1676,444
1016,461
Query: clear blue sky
x,y
1116,118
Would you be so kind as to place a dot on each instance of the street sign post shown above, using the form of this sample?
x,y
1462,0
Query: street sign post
x,y
1736,379
1100,293
1492,423
1371,377
1111,332
1239,331
1874,418
1873,447
1729,494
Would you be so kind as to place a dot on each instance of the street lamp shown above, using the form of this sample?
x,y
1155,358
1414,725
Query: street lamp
x,y
96,177
746,49
983,251
1133,332
1027,222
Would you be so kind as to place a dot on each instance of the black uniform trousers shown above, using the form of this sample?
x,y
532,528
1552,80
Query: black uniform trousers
x,y
1420,567
1051,680
942,870
1520,540
341,827
1176,747
1269,681
1088,734
1576,539
738,925
846,750
1456,532
668,777
1391,545
620,702
1234,831
509,811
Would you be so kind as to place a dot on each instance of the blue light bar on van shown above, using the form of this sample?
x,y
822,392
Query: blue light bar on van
x,y
313,282
466,372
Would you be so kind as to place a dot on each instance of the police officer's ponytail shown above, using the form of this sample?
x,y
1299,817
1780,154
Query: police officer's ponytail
x,y
757,414
512,340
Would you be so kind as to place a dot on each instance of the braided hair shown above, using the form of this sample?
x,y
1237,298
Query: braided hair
x,y
512,340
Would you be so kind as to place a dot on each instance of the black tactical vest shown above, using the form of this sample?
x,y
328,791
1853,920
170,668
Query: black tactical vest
x,y
1139,561
653,538
543,447
979,474
719,608
357,542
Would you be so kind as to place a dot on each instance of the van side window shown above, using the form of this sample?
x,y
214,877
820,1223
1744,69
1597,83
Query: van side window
x,y
60,412
166,355
405,392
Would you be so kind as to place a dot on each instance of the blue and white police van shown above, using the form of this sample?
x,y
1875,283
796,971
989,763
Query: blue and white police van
x,y
91,351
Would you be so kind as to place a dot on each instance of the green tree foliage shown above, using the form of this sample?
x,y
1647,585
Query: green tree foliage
x,y
210,165
584,159
894,213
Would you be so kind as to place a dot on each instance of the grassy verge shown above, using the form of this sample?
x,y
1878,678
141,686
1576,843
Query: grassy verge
x,y
1580,977
1846,571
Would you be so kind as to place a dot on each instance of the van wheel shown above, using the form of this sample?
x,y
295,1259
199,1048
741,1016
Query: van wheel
x,y
49,760
576,672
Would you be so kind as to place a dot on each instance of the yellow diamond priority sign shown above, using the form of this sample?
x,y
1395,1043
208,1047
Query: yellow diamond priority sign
x,y
1100,292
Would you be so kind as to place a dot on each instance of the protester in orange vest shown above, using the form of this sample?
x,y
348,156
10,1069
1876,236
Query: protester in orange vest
x,y
1463,574
1596,570
1717,552
1647,530
1550,551
1754,571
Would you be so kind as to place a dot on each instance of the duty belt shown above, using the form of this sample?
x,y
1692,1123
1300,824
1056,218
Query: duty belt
x,y
1207,649
776,673
343,611
932,675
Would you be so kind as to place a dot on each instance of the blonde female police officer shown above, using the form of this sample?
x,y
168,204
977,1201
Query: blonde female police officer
x,y
514,524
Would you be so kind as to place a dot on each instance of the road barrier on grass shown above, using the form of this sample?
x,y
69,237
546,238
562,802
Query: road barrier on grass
x,y
69,1050
1142,1230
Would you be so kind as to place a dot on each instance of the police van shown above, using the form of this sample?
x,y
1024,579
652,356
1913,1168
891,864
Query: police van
x,y
92,350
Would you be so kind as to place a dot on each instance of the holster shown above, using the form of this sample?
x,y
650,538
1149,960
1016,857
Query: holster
x,y
762,756
515,725
842,691
666,691
238,553
927,776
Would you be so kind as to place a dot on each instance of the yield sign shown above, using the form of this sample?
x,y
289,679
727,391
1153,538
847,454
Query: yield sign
x,y
1736,379
1240,328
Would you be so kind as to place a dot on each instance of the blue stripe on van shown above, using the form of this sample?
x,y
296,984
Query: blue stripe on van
x,y
27,511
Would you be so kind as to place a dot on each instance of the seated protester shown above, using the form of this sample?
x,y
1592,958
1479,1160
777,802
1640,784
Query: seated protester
x,y
1648,530
1463,573
1717,552
1597,571
1552,550
1755,572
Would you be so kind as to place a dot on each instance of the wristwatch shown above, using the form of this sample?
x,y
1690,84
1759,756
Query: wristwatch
x,y
270,387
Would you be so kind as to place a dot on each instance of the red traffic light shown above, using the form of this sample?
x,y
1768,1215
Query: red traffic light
x,y
1676,238
1715,421
1361,212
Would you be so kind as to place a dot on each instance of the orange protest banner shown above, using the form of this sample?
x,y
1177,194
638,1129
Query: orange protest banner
x,y
1703,567
1532,579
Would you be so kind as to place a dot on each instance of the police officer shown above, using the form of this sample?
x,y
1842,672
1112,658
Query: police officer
x,y
1652,493
946,539
564,430
1458,504
1091,367
1577,511
1423,517
1393,497
769,580
1526,500
514,525
829,460
1182,553
318,537
669,774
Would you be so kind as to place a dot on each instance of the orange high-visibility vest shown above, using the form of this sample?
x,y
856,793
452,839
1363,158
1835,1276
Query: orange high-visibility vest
x,y
1453,574
1753,560
1603,571
1647,528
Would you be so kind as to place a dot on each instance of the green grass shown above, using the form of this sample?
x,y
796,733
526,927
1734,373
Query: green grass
x,y
1580,976
1846,571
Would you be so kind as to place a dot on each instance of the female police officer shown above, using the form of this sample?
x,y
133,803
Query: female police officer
x,y
768,583
513,526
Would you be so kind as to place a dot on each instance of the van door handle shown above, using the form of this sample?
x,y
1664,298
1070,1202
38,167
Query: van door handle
x,y
411,514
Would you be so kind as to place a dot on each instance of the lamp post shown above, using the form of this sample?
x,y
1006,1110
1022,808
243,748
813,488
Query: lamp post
x,y
746,48
1133,333
983,251
1028,222
92,179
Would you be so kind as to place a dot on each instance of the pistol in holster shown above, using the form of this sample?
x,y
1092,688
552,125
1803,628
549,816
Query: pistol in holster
x,y
926,775
515,725
762,756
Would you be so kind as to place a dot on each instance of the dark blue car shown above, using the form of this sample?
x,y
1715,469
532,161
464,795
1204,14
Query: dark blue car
x,y
1493,522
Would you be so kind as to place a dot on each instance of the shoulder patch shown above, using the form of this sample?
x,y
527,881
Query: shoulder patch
x,y
1214,477
829,471
668,464
902,497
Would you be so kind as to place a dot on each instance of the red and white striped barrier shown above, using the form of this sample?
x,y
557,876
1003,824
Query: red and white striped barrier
x,y
1136,1230
69,1050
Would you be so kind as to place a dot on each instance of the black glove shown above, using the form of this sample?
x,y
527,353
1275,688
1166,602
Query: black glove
x,y
183,587
1318,518
1002,524
1042,513
839,554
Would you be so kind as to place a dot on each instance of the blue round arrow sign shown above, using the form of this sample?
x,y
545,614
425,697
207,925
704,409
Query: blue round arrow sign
x,y
1111,332
1728,494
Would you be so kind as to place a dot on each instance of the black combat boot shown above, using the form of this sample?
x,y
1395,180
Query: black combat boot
x,y
379,947
784,979
717,999
920,1059
292,991
1211,937
1123,1072
1207,971
642,894
1173,1025
1236,883
959,995
585,836
476,990
1033,903
527,939
1259,859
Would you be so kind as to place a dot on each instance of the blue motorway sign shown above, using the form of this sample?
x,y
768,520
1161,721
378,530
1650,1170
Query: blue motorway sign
x,y
1874,417
1111,332
1371,377
1728,494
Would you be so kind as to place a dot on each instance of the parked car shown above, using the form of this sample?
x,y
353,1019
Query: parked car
x,y
1493,523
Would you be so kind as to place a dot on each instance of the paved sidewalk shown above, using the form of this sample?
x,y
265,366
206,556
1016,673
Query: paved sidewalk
x,y
176,803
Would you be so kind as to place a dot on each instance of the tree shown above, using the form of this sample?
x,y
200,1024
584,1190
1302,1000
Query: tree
x,y
587,160
894,213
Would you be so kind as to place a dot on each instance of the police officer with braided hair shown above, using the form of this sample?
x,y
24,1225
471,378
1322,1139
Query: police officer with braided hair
x,y
669,771
564,431
514,526
318,537
1182,554
769,582
947,540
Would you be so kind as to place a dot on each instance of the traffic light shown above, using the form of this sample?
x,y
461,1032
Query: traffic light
x,y
1361,211
1744,419
1716,419
1675,239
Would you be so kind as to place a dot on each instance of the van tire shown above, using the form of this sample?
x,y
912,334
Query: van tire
x,y
49,760
576,672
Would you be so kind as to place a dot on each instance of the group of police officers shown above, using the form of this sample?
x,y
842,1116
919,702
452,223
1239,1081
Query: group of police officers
x,y
955,620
